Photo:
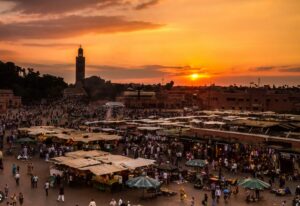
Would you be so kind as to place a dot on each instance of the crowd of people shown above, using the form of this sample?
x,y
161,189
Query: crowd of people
x,y
222,158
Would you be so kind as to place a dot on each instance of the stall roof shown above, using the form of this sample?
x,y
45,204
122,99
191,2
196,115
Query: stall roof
x,y
113,159
170,124
70,134
82,162
75,163
61,159
196,121
86,137
38,130
100,165
214,123
181,118
136,163
255,123
108,130
104,169
86,154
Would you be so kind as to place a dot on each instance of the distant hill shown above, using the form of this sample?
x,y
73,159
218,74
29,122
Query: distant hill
x,y
29,84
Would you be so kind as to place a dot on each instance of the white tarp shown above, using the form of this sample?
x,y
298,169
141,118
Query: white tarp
x,y
136,163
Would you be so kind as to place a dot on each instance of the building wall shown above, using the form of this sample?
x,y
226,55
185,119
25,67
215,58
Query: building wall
x,y
9,100
223,98
165,99
251,100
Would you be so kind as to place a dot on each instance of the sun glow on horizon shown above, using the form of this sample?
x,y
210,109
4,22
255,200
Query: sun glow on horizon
x,y
196,76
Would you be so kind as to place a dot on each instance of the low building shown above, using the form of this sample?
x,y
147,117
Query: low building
x,y
176,98
9,100
138,99
250,99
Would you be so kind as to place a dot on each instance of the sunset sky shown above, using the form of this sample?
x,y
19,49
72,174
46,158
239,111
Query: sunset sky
x,y
146,41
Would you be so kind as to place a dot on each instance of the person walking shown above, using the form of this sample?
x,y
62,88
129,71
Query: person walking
x,y
29,168
21,198
218,193
61,194
92,203
113,202
297,191
193,201
35,179
120,202
14,199
6,191
14,169
17,178
205,200
46,187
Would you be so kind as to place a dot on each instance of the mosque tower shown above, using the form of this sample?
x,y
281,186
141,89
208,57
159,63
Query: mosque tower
x,y
80,67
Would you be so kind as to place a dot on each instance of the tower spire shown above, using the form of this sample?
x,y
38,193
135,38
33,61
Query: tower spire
x,y
80,66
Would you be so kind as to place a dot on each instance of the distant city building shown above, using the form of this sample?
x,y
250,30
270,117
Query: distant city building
x,y
9,100
251,99
138,99
177,98
216,98
80,67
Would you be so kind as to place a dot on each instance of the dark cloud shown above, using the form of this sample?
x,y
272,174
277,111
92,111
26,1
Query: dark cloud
x,y
70,26
114,72
66,6
143,72
146,4
290,69
58,7
280,68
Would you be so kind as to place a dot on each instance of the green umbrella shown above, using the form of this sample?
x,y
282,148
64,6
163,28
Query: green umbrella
x,y
25,140
144,182
196,163
254,184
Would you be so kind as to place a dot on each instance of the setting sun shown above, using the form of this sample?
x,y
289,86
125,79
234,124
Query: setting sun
x,y
194,76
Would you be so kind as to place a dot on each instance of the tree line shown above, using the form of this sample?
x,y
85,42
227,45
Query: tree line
x,y
30,84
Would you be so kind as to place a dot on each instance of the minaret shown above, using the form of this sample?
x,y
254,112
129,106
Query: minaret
x,y
80,67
